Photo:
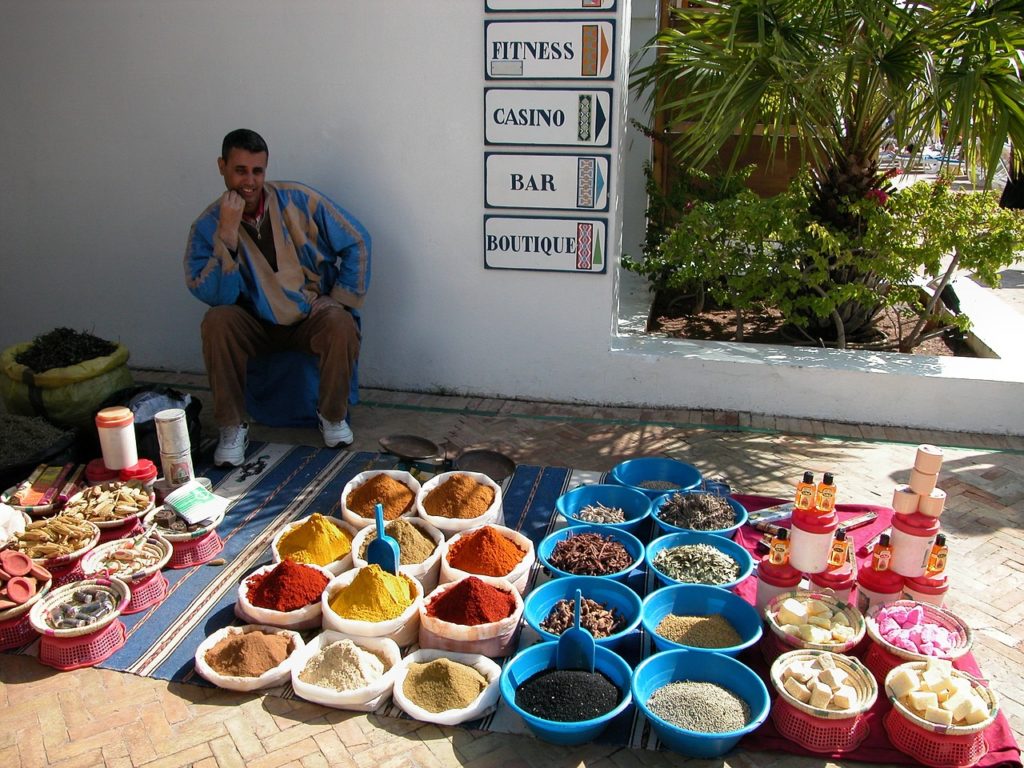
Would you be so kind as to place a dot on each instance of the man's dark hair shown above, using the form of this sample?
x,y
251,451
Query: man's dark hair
x,y
243,138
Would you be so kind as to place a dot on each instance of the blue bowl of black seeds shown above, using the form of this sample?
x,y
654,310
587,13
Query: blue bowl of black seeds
x,y
571,706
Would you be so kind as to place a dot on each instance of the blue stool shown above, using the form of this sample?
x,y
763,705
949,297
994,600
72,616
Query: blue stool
x,y
282,388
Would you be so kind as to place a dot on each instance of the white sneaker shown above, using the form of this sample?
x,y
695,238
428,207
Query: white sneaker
x,y
231,448
335,432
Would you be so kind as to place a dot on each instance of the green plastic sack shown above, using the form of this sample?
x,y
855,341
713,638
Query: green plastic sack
x,y
67,396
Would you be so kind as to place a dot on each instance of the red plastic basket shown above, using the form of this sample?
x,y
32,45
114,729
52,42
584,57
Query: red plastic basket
x,y
195,551
66,653
67,574
772,647
147,593
132,528
881,662
933,749
816,733
16,632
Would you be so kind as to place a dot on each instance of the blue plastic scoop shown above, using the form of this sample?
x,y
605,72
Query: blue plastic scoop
x,y
576,648
383,550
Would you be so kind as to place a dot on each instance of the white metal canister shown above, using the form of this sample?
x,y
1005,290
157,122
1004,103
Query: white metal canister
x,y
810,539
912,538
116,428
774,579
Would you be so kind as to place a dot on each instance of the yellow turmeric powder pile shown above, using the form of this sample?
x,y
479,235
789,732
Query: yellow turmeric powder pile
x,y
460,496
373,595
317,541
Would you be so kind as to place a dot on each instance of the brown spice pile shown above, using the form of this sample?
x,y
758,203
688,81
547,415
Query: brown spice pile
x,y
249,654
460,497
396,497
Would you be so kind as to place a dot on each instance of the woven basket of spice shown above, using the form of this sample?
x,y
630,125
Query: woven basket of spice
x,y
824,684
176,529
249,657
356,673
454,502
815,621
56,541
127,560
80,608
111,504
446,688
394,489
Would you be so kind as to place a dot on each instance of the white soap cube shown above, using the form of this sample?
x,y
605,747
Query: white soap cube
x,y
977,712
842,632
801,671
937,680
825,661
818,608
797,690
903,682
822,620
821,695
834,678
792,611
844,698
921,700
938,715
840,618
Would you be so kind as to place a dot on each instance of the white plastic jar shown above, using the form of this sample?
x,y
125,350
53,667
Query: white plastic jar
x,y
810,539
773,580
116,428
912,538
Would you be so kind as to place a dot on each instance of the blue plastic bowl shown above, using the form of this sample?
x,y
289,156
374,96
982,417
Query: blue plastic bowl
x,y
632,472
633,545
674,666
540,657
635,505
740,515
728,546
612,594
701,600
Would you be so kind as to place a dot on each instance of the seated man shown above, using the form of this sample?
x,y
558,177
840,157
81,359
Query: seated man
x,y
282,267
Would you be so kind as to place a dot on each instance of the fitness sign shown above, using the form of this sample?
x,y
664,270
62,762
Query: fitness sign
x,y
571,118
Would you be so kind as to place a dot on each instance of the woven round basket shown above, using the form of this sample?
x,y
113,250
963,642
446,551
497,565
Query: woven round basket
x,y
42,510
117,523
155,546
178,536
852,613
18,610
58,561
932,615
858,677
37,616
986,693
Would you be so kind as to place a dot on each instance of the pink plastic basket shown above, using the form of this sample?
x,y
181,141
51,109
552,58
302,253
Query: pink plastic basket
x,y
937,750
132,528
816,733
66,653
147,593
67,574
195,551
881,662
16,632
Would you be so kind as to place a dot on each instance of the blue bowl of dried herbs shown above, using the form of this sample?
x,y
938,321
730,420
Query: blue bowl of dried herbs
x,y
699,704
598,505
654,475
691,557
616,616
700,618
698,511
591,550
566,706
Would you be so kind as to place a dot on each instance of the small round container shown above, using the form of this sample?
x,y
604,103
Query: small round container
x,y
932,615
701,600
365,699
177,468
654,469
541,657
272,677
727,546
519,576
403,629
810,539
635,505
667,667
307,617
356,520
932,504
632,544
740,515
172,430
483,705
904,500
97,472
773,579
614,595
877,588
912,538
427,573
143,471
449,526
927,589
494,639
337,567
922,483
116,428
854,618
837,581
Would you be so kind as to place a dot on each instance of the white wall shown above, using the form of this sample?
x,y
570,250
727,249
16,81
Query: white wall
x,y
113,114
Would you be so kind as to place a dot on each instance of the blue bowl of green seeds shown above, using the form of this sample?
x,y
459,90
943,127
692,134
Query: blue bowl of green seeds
x,y
692,557
696,719
715,619
634,505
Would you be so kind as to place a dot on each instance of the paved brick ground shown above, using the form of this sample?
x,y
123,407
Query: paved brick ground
x,y
94,717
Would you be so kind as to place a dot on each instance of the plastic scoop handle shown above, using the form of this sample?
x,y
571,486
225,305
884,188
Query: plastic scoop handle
x,y
383,550
576,648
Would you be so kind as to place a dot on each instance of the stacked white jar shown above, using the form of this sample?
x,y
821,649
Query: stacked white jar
x,y
175,446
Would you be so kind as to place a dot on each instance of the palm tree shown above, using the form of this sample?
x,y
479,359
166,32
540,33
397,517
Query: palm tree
x,y
832,80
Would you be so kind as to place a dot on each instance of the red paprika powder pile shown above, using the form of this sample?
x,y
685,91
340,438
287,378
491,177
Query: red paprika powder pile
x,y
471,602
486,552
287,586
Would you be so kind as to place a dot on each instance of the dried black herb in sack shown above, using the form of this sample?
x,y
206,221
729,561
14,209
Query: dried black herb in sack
x,y
62,347
697,511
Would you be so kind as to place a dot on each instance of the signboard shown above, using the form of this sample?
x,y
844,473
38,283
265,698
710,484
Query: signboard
x,y
546,50
547,117
550,5
551,244
567,182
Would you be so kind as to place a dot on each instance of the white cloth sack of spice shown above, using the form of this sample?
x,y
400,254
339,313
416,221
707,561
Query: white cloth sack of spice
x,y
495,639
279,675
365,699
427,572
519,576
12,521
341,565
308,617
483,705
356,520
403,629
449,526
